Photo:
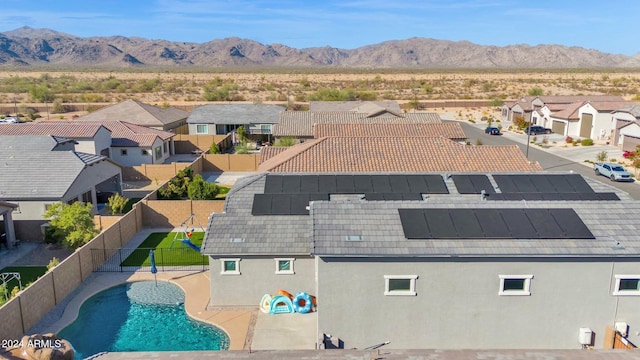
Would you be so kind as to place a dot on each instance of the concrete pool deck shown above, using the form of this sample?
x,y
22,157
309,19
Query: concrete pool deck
x,y
237,323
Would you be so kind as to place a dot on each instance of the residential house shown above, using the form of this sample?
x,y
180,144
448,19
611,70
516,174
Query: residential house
x,y
299,124
363,107
127,144
138,113
392,154
221,119
447,261
620,118
90,137
41,170
586,119
451,130
527,106
133,145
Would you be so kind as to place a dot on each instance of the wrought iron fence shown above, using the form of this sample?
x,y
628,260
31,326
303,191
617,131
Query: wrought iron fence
x,y
166,259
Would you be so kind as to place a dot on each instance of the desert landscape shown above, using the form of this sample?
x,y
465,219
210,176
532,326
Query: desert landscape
x,y
66,93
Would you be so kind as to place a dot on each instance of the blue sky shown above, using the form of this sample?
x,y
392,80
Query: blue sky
x,y
610,26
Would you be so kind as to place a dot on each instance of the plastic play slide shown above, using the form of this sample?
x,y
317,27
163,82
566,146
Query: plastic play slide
x,y
191,245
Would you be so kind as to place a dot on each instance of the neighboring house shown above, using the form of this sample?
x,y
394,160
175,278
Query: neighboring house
x,y
629,136
364,107
457,261
90,138
135,112
392,154
41,170
7,230
566,121
133,145
527,105
586,119
451,130
221,119
299,124
622,117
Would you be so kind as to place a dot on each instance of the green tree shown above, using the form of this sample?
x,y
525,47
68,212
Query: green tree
x,y
214,148
201,190
242,133
536,91
53,263
177,187
116,204
241,148
72,223
496,102
41,94
285,141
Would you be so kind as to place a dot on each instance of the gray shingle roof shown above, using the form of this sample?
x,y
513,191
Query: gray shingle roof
x,y
379,223
31,170
236,114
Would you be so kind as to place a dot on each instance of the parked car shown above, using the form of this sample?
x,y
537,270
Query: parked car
x,y
613,171
492,131
535,130
9,120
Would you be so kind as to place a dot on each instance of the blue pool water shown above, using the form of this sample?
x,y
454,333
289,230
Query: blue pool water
x,y
140,316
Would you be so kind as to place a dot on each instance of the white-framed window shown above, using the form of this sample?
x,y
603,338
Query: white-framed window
x,y
202,129
123,152
519,285
400,285
230,266
284,266
627,285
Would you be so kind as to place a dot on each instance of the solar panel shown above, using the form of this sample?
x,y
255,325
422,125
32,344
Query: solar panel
x,y
493,224
465,223
261,204
273,184
608,196
519,225
299,203
363,184
327,184
318,196
374,196
417,184
505,183
577,183
413,223
399,184
412,196
291,184
524,183
571,224
542,183
436,184
281,204
472,184
440,224
309,184
380,183
344,184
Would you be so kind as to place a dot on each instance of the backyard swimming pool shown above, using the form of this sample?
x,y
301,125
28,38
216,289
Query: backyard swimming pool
x,y
140,316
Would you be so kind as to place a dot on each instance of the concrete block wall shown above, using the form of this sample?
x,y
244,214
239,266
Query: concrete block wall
x,y
11,325
37,300
230,162
172,213
66,277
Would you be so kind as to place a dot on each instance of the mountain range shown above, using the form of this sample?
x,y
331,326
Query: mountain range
x,y
44,47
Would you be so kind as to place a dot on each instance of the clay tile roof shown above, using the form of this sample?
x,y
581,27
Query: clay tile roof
x,y
65,129
570,112
124,134
404,154
447,130
267,152
611,105
300,123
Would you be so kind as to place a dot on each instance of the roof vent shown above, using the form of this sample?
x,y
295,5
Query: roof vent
x,y
353,238
237,240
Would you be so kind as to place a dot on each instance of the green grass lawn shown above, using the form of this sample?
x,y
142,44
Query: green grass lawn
x,y
28,274
166,255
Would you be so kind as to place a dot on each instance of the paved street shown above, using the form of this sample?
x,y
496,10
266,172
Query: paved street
x,y
555,158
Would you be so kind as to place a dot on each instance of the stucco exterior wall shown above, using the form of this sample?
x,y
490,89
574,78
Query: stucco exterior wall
x,y
257,277
458,306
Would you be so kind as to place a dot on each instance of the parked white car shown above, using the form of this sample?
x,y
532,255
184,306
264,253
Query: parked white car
x,y
613,171
9,120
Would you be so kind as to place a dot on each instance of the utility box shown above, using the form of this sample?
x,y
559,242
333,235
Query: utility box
x,y
584,336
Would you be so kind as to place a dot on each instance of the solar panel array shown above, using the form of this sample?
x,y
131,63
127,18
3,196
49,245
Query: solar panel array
x,y
493,224
355,184
570,187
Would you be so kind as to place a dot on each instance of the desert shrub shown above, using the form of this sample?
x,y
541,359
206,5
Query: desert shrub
x,y
214,148
568,140
116,204
285,141
177,187
520,122
586,142
534,139
241,148
601,156
53,263
199,189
